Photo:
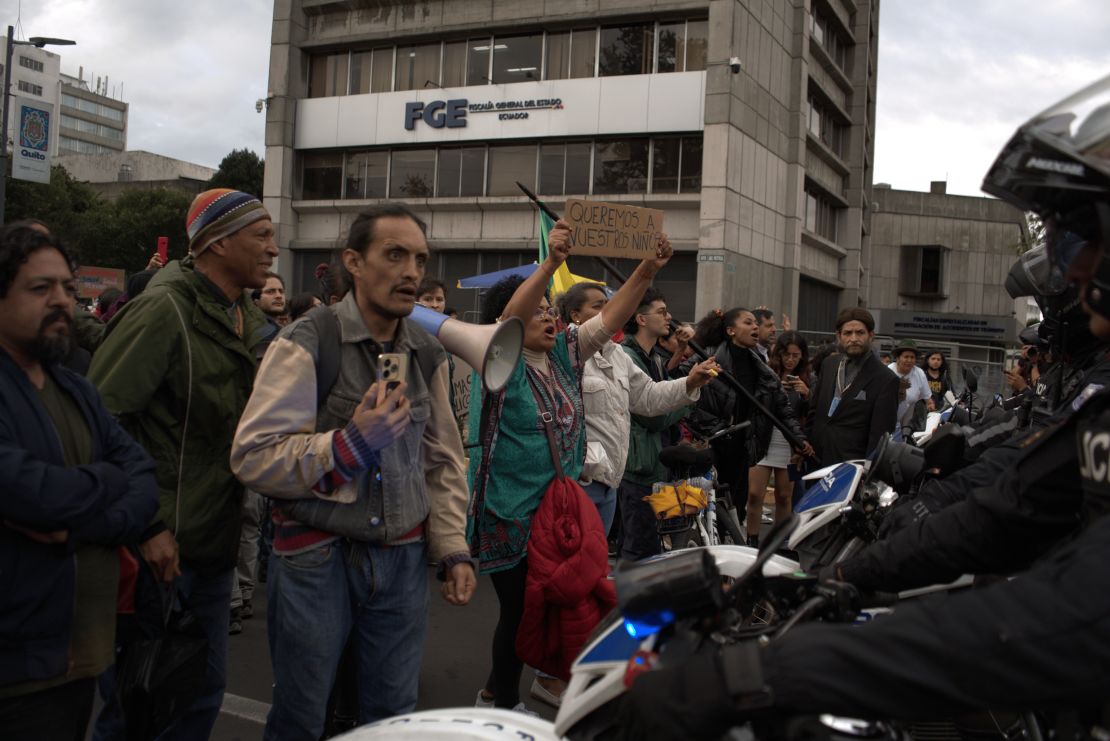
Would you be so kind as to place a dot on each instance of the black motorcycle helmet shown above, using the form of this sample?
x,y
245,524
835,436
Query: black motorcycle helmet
x,y
1057,165
1065,328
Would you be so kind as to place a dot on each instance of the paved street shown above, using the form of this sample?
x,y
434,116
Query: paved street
x,y
456,661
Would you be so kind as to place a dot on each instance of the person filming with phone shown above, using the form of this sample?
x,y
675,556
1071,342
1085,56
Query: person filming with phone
x,y
367,465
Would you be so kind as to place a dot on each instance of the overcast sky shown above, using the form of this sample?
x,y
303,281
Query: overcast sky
x,y
955,77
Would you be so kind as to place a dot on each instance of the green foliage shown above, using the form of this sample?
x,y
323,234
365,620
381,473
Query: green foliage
x,y
120,234
241,170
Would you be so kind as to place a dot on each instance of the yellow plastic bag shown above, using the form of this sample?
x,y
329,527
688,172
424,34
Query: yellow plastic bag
x,y
674,500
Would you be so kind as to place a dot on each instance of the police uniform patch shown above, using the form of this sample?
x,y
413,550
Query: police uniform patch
x,y
1085,395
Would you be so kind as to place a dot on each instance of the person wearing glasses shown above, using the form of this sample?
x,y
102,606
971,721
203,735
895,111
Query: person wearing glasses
x,y
511,468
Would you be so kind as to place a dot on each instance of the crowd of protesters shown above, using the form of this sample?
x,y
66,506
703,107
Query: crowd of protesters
x,y
203,431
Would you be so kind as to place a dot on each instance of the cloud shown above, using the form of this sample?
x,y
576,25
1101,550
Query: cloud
x,y
957,79
190,72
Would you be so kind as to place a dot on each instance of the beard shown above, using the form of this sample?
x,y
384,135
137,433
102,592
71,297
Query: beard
x,y
50,349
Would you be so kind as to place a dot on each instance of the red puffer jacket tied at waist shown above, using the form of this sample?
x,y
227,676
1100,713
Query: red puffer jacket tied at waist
x,y
567,591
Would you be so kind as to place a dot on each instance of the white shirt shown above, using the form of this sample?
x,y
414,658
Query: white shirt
x,y
918,390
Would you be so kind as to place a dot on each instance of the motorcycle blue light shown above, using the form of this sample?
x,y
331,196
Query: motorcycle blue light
x,y
647,625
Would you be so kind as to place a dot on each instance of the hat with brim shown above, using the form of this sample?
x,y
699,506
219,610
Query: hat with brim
x,y
218,213
903,345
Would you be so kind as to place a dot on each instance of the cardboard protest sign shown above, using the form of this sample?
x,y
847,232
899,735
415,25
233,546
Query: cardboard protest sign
x,y
613,229
460,385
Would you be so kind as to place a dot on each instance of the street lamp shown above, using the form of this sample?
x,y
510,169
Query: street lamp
x,y
36,41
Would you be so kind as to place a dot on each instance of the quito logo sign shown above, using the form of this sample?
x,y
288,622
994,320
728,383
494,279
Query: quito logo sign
x,y
452,114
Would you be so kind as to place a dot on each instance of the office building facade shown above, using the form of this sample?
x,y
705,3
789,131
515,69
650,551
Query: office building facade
x,y
748,122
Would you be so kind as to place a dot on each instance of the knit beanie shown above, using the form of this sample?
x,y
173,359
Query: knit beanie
x,y
220,212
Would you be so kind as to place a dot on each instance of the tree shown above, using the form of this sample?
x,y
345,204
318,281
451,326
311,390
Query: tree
x,y
241,170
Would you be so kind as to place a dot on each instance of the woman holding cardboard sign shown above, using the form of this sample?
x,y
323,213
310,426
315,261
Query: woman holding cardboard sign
x,y
534,423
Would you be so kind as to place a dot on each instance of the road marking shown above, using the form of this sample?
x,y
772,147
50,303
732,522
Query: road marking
x,y
245,708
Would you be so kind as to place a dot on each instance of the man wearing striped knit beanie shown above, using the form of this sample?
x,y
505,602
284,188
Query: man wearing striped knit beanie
x,y
176,367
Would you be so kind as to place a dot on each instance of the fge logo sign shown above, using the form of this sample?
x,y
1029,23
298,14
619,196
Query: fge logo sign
x,y
438,114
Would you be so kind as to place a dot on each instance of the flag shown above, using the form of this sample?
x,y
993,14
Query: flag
x,y
563,278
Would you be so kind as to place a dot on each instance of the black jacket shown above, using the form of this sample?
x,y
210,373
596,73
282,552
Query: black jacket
x,y
1030,497
716,408
868,409
109,501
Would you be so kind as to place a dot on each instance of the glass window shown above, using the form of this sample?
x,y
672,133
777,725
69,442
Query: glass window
x,y
664,171
621,166
697,42
517,58
552,164
382,81
366,174
460,171
327,75
583,52
558,56
626,50
321,175
417,65
360,72
413,173
672,41
578,168
509,163
691,164
478,61
454,64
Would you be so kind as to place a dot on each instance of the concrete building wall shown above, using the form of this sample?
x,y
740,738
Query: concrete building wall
x,y
980,237
141,166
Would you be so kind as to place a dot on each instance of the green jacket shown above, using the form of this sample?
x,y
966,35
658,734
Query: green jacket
x,y
178,384
646,439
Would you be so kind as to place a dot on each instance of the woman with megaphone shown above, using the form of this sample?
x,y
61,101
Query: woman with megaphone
x,y
528,516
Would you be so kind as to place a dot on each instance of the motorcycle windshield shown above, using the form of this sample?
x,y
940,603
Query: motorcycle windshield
x,y
833,488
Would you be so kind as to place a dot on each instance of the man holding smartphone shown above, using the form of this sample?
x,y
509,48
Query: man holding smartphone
x,y
369,466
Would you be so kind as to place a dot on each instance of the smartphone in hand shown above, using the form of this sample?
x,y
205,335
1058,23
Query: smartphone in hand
x,y
393,369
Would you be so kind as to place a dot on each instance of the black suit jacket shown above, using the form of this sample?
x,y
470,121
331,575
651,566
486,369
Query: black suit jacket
x,y
868,408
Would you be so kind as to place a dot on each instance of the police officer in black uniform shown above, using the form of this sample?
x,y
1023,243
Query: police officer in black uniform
x,y
1039,641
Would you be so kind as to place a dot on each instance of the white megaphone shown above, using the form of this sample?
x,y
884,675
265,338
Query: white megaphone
x,y
491,349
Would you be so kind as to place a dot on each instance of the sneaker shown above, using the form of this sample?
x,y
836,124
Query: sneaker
x,y
482,702
520,707
235,624
544,695
247,610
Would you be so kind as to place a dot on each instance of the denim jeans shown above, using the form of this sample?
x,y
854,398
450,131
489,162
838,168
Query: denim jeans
x,y
315,599
604,498
639,535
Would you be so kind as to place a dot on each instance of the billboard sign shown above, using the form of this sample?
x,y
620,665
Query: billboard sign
x,y
32,155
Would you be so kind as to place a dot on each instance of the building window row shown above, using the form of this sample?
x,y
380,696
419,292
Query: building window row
x,y
821,215
828,36
88,127
32,64
826,127
667,164
77,146
91,106
30,87
598,51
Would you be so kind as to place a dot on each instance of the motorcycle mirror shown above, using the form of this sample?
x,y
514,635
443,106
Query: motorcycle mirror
x,y
898,464
971,379
945,450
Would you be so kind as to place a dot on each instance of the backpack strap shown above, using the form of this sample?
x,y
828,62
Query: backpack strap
x,y
327,350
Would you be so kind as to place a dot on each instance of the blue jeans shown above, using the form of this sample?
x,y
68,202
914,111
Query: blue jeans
x,y
604,498
314,600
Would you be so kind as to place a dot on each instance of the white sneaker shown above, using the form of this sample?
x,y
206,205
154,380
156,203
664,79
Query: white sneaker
x,y
520,707
482,702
